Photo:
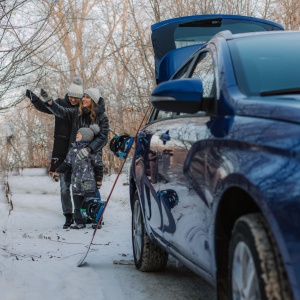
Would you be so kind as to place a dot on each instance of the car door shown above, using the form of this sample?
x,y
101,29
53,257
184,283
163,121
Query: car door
x,y
146,172
186,213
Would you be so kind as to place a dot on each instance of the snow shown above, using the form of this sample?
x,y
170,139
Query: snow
x,y
38,259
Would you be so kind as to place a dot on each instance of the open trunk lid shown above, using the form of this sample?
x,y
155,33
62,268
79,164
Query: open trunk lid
x,y
193,31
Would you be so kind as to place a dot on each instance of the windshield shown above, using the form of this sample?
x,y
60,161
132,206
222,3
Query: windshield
x,y
267,65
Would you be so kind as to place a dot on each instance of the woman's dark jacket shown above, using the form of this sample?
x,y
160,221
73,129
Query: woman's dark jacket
x,y
78,121
62,129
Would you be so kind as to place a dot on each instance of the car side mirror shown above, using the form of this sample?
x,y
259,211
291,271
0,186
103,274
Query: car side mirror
x,y
181,95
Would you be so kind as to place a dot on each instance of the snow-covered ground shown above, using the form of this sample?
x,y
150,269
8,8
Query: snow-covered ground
x,y
38,259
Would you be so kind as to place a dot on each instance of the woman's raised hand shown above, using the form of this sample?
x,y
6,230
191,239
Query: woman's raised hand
x,y
45,97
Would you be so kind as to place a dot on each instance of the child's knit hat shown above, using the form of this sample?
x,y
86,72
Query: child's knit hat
x,y
88,133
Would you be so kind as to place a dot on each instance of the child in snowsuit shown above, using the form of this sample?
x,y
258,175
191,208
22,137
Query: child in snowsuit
x,y
87,173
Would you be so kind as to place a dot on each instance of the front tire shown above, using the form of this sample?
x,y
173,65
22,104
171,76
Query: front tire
x,y
255,267
147,256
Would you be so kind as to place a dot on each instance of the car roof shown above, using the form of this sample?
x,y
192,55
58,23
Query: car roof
x,y
227,35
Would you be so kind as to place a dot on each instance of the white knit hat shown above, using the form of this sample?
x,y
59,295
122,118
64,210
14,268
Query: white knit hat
x,y
76,89
94,93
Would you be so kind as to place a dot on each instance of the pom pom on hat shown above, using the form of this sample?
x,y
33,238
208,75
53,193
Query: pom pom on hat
x,y
77,80
95,128
101,90
88,133
76,89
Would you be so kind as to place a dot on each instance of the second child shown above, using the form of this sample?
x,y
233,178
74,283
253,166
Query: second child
x,y
87,173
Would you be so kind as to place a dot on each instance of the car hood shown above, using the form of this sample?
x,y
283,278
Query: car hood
x,y
285,108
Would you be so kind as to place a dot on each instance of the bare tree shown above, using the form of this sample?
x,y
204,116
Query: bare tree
x,y
79,46
287,12
105,42
19,37
26,138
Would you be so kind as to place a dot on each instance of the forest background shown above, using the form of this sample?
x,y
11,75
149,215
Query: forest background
x,y
45,43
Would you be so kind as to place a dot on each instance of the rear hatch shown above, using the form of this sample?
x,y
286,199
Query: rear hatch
x,y
175,40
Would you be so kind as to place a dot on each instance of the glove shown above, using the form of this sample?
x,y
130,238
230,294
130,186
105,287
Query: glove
x,y
55,176
83,153
45,97
29,94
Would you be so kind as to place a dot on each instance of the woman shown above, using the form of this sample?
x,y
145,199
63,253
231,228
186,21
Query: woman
x,y
90,111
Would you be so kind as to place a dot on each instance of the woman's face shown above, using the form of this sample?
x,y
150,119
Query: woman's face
x,y
86,101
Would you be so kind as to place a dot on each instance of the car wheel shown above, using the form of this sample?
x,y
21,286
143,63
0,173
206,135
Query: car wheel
x,y
147,256
255,267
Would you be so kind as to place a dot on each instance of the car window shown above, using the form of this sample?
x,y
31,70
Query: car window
x,y
183,71
201,31
161,115
164,114
204,70
200,113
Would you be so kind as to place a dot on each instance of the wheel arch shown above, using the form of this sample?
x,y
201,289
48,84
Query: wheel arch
x,y
229,210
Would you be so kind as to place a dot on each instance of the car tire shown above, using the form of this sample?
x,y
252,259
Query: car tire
x,y
147,256
255,266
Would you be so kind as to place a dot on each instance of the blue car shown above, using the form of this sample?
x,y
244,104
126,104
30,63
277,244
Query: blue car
x,y
215,175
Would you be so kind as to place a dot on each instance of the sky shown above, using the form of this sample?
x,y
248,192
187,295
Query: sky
x,y
38,258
